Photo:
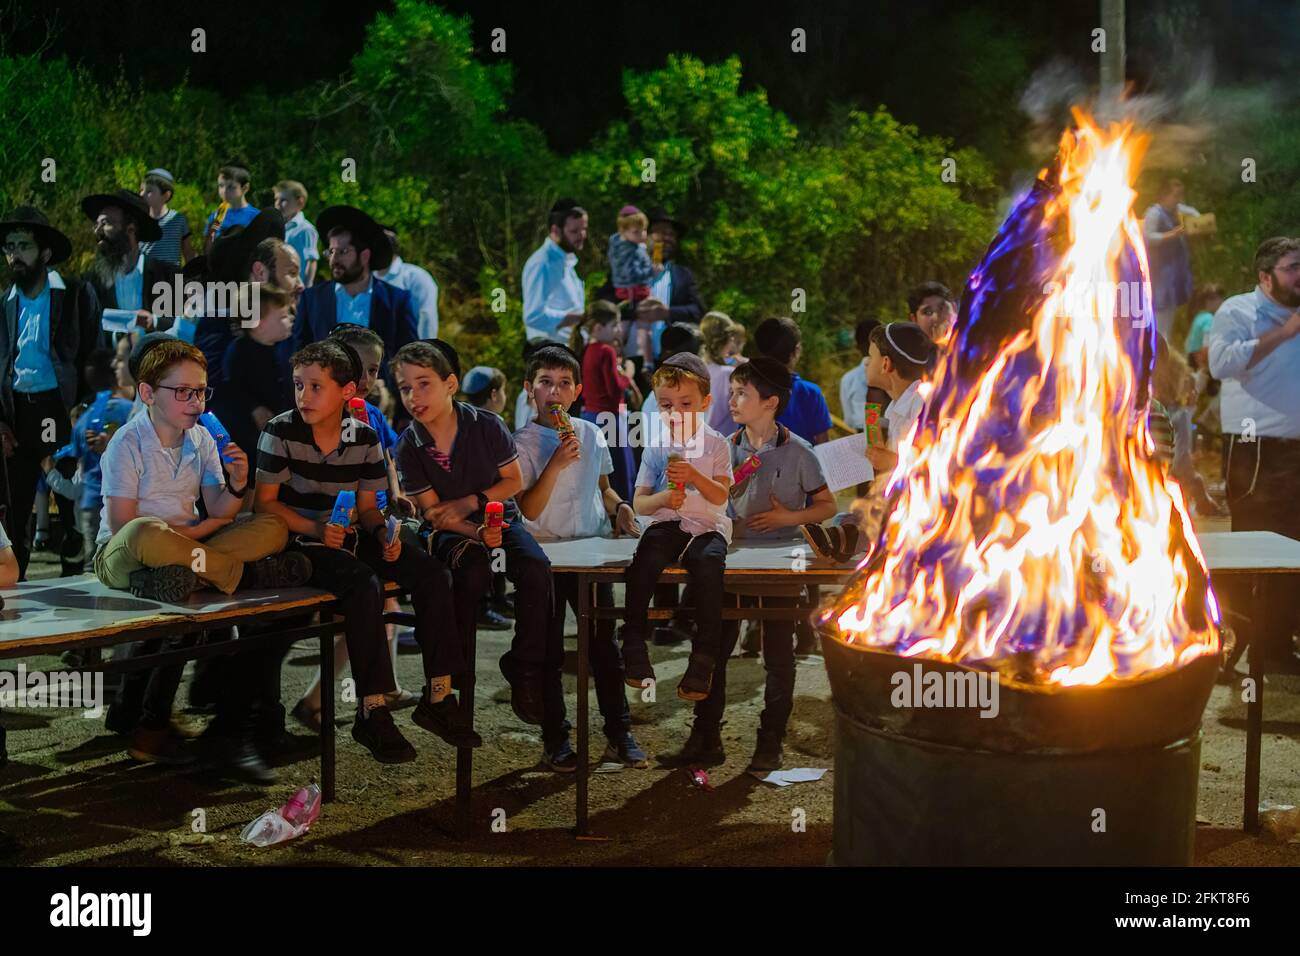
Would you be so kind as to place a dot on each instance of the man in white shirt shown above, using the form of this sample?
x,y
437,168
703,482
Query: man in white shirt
x,y
1254,348
554,298
418,282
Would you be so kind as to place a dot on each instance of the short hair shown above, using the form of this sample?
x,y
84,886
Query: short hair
x,y
236,172
266,251
161,183
294,188
355,335
716,330
425,355
553,357
1203,294
165,356
905,364
674,377
637,218
778,338
483,394
562,212
920,293
331,356
745,374
1272,250
862,334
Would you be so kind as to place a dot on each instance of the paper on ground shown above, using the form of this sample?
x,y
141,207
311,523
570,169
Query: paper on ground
x,y
783,778
844,461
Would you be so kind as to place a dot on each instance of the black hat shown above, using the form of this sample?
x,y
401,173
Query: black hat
x,y
910,341
366,233
451,355
660,214
775,374
687,362
679,337
33,220
142,345
231,252
136,209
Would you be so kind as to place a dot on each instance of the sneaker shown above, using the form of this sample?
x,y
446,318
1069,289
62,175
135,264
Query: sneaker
x,y
562,759
291,569
698,679
490,620
525,690
626,750
817,539
158,746
636,664
844,538
448,720
378,734
170,585
703,748
767,754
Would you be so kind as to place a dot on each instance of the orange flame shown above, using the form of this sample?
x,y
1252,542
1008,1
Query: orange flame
x,y
1076,566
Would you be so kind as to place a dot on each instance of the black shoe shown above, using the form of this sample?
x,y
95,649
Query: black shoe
x,y
170,585
636,664
378,734
291,569
118,721
698,679
525,690
768,753
284,747
562,759
847,545
703,748
242,760
490,620
448,720
818,540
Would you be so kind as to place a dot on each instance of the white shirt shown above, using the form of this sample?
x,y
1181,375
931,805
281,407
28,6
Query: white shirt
x,y
524,411
661,289
424,293
576,507
552,290
166,483
708,452
1266,394
128,287
901,413
853,397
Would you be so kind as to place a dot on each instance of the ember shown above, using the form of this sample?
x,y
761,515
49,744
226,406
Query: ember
x,y
1032,532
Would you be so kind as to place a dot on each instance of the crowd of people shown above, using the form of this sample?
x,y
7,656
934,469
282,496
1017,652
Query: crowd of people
x,y
334,440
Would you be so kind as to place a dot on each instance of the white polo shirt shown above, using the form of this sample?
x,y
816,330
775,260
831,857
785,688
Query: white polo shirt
x,y
166,482
575,508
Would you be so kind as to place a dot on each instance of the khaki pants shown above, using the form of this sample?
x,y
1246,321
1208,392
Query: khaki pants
x,y
218,560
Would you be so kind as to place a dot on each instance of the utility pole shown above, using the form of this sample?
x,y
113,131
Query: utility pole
x,y
1112,57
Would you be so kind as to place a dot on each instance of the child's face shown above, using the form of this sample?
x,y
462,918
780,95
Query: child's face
x,y
163,401
121,363
747,407
633,233
680,406
610,333
425,393
288,204
371,358
153,196
496,402
274,326
731,352
319,398
552,386
879,369
934,315
231,191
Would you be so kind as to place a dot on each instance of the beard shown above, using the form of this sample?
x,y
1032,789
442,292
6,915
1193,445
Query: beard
x,y
21,274
111,254
1285,295
346,276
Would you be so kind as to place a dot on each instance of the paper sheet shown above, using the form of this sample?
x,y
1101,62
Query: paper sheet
x,y
117,320
844,461
784,778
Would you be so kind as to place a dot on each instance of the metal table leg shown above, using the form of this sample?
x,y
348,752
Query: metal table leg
x,y
465,755
585,602
327,688
1254,736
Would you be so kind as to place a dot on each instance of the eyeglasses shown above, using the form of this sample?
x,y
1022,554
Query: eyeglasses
x,y
10,248
187,393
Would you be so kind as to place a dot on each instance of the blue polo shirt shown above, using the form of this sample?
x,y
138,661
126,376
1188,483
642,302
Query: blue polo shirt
x,y
33,365
234,217
353,308
807,414
482,447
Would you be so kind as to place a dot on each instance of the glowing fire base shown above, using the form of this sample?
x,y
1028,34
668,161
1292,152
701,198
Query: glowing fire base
x,y
1102,776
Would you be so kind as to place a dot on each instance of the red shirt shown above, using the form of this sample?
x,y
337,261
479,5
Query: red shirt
x,y
603,384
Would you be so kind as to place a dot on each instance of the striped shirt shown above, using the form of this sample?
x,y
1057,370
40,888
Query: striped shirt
x,y
175,227
310,481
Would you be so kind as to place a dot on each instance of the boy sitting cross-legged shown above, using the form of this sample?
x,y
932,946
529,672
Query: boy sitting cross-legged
x,y
566,464
682,485
305,458
770,498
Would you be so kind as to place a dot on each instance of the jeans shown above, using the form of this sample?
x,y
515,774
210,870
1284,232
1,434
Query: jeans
x,y
704,556
606,668
778,662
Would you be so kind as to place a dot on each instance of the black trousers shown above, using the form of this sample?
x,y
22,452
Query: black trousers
x,y
37,416
606,668
704,556
778,662
147,696
1263,493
